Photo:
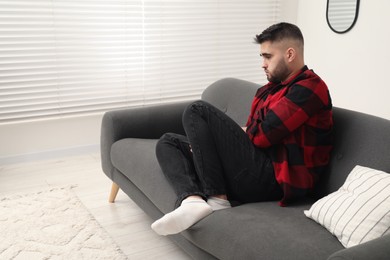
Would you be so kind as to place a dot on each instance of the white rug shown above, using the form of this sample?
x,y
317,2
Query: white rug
x,y
52,224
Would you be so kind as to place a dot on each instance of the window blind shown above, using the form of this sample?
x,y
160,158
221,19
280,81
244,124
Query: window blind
x,y
75,57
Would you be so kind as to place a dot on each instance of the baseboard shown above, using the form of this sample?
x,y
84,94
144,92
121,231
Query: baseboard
x,y
51,154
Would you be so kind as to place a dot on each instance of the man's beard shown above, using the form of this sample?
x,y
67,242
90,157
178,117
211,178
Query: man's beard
x,y
280,73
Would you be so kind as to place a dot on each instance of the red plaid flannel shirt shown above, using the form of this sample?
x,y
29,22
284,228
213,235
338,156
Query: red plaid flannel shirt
x,y
292,120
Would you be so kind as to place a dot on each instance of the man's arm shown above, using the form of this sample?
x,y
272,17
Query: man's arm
x,y
290,112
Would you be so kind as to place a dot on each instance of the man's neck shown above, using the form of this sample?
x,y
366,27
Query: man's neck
x,y
294,73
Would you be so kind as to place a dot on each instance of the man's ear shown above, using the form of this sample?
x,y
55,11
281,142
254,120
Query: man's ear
x,y
290,54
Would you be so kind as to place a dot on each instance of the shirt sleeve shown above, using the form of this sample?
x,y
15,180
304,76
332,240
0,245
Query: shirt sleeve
x,y
290,112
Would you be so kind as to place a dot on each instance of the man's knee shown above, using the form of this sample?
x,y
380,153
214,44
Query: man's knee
x,y
197,107
165,139
170,139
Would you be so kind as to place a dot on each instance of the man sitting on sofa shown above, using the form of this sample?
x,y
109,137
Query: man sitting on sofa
x,y
280,155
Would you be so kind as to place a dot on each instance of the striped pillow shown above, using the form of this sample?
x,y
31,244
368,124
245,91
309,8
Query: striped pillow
x,y
359,211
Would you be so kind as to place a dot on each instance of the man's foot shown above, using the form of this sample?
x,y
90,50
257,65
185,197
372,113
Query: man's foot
x,y
190,211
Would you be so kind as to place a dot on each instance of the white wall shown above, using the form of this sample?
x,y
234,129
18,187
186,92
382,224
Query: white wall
x,y
355,65
289,11
49,138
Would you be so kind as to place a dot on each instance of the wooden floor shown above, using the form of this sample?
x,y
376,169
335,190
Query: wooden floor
x,y
123,220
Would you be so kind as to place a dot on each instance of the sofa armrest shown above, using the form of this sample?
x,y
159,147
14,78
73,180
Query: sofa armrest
x,y
149,122
377,249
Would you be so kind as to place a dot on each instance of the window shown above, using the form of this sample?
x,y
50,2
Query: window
x,y
75,57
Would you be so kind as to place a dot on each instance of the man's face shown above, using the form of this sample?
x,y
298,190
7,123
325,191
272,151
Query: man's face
x,y
274,63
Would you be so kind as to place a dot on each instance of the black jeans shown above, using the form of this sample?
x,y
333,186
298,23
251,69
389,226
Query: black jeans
x,y
216,157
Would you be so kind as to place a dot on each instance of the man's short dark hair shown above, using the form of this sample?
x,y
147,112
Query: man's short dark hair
x,y
279,32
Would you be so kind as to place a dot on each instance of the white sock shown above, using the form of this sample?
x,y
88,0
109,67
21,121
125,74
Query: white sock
x,y
189,212
218,204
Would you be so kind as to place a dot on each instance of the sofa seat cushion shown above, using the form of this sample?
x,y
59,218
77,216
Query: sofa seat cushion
x,y
135,158
263,231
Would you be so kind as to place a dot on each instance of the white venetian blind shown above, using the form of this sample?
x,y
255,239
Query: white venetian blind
x,y
75,57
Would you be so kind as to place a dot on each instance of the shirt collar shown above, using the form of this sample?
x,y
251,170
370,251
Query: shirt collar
x,y
290,79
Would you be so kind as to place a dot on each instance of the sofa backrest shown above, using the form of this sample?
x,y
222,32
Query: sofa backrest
x,y
359,139
232,96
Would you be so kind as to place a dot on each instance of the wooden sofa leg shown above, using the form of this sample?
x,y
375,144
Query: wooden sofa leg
x,y
114,192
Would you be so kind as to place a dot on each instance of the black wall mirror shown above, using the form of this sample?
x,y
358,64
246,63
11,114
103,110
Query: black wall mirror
x,y
341,15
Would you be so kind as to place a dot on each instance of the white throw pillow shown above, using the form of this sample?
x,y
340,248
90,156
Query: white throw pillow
x,y
359,211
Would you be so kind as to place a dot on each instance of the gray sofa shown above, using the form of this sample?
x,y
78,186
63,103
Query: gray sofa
x,y
251,231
